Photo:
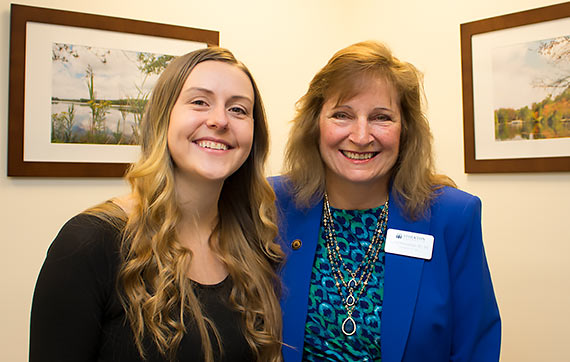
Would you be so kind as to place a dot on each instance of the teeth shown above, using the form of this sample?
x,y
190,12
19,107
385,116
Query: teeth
x,y
212,145
358,155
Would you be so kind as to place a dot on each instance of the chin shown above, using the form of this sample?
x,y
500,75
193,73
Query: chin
x,y
366,180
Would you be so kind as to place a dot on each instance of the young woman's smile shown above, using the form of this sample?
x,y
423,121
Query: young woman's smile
x,y
210,134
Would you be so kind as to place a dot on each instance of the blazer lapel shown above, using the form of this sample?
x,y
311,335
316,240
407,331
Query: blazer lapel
x,y
401,284
303,226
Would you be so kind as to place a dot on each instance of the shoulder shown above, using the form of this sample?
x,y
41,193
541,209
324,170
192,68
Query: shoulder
x,y
453,200
85,235
82,259
282,187
280,184
453,209
455,213
293,218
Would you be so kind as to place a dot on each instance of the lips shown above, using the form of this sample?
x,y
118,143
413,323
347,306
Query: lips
x,y
212,145
358,155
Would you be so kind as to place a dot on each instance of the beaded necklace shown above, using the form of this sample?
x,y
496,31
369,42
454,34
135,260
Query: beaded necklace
x,y
356,285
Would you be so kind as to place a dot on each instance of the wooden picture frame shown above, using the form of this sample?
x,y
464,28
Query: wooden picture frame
x,y
486,144
26,32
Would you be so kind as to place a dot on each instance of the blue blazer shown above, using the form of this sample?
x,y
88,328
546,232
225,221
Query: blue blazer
x,y
437,310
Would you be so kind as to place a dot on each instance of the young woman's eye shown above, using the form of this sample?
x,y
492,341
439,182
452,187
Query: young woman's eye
x,y
238,110
199,102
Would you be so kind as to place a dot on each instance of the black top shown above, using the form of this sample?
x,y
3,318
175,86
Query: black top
x,y
77,316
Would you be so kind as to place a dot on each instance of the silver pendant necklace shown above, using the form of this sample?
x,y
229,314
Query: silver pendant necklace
x,y
359,278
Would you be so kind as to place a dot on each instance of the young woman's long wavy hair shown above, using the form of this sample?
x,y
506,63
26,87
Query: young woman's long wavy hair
x,y
153,282
413,177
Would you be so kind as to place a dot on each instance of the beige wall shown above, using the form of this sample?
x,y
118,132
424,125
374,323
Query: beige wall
x,y
525,217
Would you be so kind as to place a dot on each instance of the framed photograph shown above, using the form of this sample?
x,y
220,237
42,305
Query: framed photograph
x,y
516,91
78,87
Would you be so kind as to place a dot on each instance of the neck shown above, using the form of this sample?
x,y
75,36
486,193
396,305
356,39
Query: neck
x,y
349,195
198,204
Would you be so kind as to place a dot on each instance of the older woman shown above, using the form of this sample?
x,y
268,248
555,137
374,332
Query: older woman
x,y
385,257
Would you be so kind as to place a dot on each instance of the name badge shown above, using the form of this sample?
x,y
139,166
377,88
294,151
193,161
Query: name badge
x,y
407,243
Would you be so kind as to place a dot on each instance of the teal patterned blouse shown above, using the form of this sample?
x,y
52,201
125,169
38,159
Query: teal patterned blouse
x,y
324,340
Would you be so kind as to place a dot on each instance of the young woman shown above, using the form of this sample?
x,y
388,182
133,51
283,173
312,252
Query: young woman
x,y
183,268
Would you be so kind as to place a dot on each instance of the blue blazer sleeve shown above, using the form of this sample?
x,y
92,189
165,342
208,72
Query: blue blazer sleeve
x,y
442,309
477,329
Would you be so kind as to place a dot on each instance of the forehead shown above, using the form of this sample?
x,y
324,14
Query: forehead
x,y
217,75
377,85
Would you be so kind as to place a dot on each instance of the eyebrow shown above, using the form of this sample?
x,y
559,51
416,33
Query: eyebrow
x,y
336,107
210,92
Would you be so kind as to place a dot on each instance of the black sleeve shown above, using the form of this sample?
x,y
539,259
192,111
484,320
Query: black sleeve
x,y
73,290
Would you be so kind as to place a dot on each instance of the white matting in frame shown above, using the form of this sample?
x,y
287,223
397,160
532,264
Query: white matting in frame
x,y
486,147
38,85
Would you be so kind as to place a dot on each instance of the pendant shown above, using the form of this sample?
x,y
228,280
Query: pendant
x,y
349,300
348,326
352,283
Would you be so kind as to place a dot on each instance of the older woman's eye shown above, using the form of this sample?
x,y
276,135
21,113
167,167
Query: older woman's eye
x,y
381,117
340,115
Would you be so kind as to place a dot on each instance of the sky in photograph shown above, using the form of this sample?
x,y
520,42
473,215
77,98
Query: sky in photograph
x,y
116,78
516,68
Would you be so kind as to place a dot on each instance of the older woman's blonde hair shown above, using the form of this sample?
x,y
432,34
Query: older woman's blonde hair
x,y
156,293
413,177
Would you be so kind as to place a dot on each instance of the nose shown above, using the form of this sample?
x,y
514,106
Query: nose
x,y
360,133
217,119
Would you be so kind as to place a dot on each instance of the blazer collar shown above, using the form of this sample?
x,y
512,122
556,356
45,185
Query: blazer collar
x,y
401,284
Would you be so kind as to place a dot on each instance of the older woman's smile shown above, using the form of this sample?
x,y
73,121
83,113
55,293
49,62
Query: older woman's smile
x,y
358,155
